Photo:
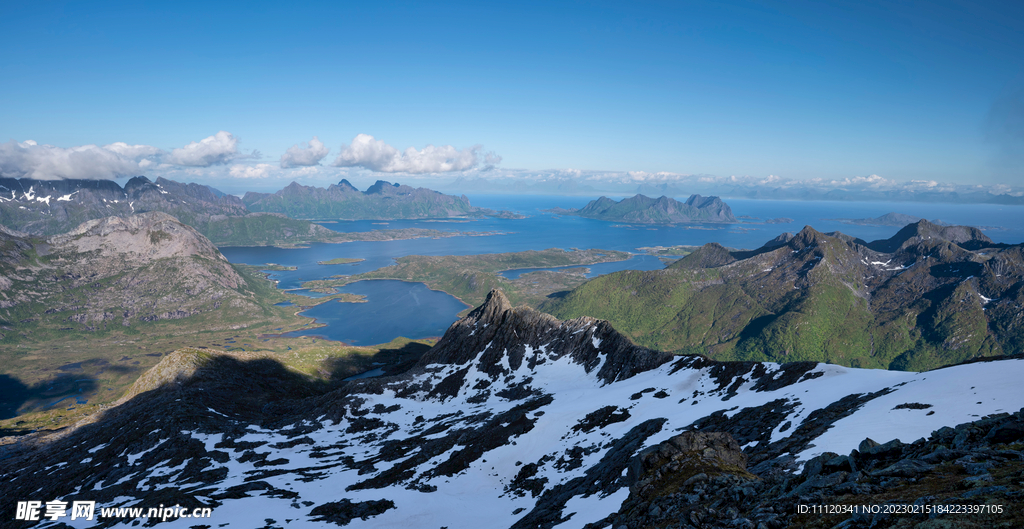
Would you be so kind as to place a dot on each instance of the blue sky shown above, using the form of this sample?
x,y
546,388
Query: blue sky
x,y
905,90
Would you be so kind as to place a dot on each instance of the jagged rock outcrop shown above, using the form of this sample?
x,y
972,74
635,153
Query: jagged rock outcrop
x,y
516,335
976,465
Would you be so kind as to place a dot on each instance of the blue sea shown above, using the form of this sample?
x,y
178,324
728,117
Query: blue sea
x,y
396,308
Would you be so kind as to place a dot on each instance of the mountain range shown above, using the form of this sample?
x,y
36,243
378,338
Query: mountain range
x,y
517,419
49,207
929,296
641,209
381,201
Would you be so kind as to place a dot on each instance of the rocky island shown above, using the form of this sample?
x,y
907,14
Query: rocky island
x,y
641,209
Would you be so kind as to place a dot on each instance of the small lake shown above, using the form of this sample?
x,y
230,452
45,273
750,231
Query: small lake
x,y
392,309
385,316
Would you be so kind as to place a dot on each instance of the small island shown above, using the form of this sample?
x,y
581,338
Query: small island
x,y
889,219
340,260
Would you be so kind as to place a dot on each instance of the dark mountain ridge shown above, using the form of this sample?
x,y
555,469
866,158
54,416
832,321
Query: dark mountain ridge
x,y
929,296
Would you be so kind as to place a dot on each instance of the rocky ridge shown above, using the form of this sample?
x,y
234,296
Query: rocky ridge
x,y
700,479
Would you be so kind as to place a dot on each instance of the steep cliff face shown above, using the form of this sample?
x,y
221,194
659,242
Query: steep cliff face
x,y
516,419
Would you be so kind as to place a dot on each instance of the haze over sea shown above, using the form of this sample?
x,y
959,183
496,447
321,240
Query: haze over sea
x,y
394,308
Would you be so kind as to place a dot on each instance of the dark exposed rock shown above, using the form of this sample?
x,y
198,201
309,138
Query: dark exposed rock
x,y
706,488
344,511
498,329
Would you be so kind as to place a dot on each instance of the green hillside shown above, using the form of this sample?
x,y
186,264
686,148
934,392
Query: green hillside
x,y
927,302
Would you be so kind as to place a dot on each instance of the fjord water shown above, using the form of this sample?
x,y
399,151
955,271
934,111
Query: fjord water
x,y
396,308
392,309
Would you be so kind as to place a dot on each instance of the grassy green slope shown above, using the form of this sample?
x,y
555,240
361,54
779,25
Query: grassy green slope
x,y
810,300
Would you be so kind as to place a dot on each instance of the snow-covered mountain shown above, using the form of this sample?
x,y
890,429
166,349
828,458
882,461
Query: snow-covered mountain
x,y
514,419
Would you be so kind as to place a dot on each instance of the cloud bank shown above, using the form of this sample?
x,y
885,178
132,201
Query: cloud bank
x,y
46,162
133,152
375,155
304,155
260,170
28,159
217,149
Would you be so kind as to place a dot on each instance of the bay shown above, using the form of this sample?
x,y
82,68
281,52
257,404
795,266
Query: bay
x,y
392,309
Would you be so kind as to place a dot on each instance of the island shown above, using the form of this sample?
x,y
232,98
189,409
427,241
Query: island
x,y
340,260
641,209
381,201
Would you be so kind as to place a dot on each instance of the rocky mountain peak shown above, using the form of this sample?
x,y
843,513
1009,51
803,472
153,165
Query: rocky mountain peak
x,y
699,201
807,237
136,182
497,337
494,306
346,186
711,255
293,187
381,187
782,239
925,232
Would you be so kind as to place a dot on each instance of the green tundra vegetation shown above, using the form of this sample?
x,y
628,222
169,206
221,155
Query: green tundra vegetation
x,y
471,277
928,297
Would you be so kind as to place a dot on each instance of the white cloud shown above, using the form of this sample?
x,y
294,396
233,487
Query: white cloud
x,y
217,149
260,170
373,154
133,152
46,162
304,155
305,171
